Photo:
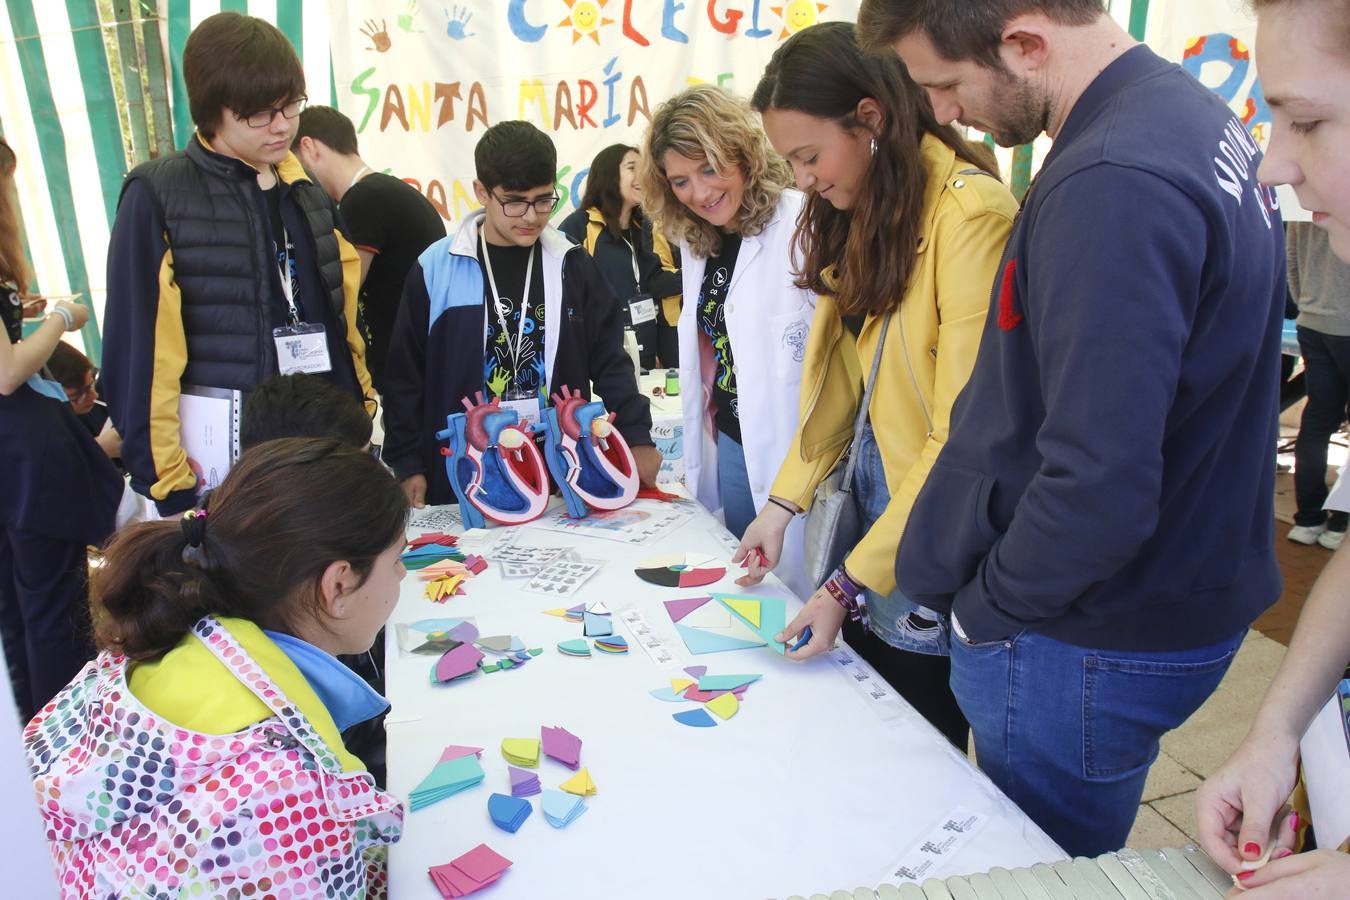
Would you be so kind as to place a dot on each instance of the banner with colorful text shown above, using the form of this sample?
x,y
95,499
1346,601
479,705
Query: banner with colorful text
x,y
1213,40
423,81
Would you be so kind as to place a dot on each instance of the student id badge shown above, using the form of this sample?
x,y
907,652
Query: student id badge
x,y
641,309
526,405
302,347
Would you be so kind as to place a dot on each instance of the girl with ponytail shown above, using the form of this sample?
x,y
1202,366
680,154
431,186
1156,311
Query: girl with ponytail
x,y
175,761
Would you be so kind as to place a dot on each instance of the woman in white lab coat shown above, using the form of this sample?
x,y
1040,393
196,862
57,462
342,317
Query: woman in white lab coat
x,y
713,184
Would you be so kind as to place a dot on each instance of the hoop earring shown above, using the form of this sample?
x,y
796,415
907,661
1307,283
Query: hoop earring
x,y
874,146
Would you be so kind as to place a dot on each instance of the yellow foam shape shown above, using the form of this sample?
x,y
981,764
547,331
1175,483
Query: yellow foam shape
x,y
724,706
559,612
579,784
746,609
521,751
680,685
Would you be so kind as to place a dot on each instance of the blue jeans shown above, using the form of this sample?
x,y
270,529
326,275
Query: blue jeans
x,y
1069,733
894,618
738,504
1326,362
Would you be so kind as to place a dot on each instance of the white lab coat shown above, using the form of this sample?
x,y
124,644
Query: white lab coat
x,y
767,320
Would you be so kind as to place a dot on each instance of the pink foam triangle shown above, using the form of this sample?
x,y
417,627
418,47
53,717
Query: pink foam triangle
x,y
678,609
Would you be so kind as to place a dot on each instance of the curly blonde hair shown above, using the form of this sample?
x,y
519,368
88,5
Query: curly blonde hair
x,y
706,122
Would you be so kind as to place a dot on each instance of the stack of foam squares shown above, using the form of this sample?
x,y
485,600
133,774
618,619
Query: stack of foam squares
x,y
720,695
509,652
597,623
469,872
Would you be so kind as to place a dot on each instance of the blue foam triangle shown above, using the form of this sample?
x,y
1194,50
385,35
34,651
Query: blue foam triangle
x,y
697,718
700,641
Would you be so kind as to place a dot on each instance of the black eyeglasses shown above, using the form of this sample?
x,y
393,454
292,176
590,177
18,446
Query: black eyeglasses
x,y
79,394
516,208
263,117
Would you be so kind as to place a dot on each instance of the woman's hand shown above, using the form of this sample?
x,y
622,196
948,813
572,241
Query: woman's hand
x,y
1320,875
762,544
824,616
1236,806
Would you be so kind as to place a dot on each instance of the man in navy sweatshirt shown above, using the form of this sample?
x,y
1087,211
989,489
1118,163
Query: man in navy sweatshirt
x,y
1100,523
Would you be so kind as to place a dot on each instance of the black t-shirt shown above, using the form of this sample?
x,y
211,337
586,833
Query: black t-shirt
x,y
524,375
11,312
285,254
713,322
388,217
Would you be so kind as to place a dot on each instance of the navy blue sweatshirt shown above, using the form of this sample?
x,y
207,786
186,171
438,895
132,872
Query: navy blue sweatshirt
x,y
1109,478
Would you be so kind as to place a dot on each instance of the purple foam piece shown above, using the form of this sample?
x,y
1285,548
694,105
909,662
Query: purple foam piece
x,y
697,671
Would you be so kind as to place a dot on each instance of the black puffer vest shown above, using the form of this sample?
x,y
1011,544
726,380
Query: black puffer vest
x,y
223,260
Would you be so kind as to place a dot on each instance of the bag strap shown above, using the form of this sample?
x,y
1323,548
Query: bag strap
x,y
861,422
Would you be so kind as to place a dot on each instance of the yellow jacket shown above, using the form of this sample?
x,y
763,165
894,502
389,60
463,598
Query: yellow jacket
x,y
935,333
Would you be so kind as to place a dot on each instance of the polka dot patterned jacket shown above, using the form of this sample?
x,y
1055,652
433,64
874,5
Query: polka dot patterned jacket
x,y
258,798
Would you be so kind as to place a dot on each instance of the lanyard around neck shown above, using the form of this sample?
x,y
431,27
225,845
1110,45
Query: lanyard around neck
x,y
284,268
497,305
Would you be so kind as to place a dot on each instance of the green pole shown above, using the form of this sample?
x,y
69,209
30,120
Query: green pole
x,y
1138,19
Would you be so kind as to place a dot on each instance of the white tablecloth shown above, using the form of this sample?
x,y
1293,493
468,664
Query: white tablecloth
x,y
814,786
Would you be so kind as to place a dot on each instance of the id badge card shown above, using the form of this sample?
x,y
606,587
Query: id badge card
x,y
642,309
302,348
525,404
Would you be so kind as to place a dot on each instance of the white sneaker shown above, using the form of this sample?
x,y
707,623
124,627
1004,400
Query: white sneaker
x,y
1331,539
1307,534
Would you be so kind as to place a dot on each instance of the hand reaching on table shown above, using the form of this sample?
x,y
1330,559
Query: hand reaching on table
x,y
1320,875
824,616
762,544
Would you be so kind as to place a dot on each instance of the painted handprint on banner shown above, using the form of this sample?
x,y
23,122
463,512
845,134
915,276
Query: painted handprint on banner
x,y
378,35
406,18
457,23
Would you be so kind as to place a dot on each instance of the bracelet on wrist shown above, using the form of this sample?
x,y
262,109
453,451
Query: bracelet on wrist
x,y
779,503
65,315
848,594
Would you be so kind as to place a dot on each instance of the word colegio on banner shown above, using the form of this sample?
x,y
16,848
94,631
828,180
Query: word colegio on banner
x,y
587,18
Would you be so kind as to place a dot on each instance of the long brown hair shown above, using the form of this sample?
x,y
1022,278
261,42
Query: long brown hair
x,y
13,263
286,511
820,71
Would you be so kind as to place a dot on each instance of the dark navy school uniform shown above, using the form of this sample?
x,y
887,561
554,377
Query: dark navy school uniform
x,y
60,494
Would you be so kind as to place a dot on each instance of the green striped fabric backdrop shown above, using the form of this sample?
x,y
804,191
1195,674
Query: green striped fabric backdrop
x,y
58,110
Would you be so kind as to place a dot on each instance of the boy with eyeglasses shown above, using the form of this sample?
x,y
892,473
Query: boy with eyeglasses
x,y
225,265
507,306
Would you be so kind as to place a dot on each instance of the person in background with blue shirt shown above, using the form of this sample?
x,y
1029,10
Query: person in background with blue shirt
x,y
1100,524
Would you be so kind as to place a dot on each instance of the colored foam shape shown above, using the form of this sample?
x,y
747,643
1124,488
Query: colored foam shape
x,y
561,808
668,695
559,612
454,751
523,783
724,706
579,784
726,682
522,752
426,626
678,609
696,718
746,609
597,625
700,641
575,647
680,685
446,779
457,662
710,615
470,872
497,643
465,632
598,607
696,671
508,813
562,745
772,617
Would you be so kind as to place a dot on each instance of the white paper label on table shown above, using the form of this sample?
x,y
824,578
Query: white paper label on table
x,y
435,517
725,538
881,698
638,523
935,850
643,635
